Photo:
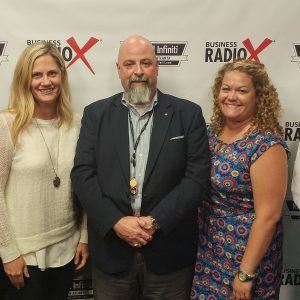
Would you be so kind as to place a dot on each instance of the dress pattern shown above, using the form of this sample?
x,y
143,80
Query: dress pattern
x,y
226,220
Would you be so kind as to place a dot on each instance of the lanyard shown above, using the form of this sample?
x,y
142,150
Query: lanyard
x,y
136,143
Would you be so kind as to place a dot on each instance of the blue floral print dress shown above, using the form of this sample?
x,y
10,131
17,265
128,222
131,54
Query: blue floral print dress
x,y
226,220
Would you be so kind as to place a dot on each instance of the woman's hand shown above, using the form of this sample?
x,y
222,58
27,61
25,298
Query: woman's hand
x,y
81,256
242,290
16,270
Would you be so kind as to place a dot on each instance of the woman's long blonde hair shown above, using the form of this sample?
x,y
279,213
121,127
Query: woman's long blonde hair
x,y
21,101
268,107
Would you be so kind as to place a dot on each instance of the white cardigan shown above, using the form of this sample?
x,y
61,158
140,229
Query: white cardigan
x,y
33,213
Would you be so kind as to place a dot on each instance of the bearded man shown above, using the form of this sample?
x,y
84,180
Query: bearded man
x,y
141,171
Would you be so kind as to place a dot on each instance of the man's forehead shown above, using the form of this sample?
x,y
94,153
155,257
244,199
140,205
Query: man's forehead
x,y
137,56
136,50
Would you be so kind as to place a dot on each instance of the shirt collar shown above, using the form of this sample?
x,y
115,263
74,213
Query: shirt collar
x,y
142,111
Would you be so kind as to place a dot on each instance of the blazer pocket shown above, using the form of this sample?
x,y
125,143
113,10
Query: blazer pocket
x,y
179,137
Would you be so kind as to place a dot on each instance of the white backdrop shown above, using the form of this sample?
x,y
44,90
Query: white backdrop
x,y
192,40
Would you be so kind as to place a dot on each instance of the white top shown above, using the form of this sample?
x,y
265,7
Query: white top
x,y
37,219
53,256
296,180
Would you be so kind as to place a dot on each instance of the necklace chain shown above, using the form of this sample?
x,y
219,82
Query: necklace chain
x,y
56,180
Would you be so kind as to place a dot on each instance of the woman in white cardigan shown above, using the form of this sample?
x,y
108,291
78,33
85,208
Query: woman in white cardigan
x,y
41,240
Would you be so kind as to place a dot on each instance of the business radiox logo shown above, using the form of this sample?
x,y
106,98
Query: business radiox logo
x,y
3,56
292,128
170,54
292,131
296,57
226,51
290,276
290,210
72,52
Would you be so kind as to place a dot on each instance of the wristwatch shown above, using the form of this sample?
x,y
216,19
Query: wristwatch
x,y
244,277
155,225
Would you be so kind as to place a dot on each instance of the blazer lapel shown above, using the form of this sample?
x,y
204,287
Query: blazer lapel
x,y
161,119
119,119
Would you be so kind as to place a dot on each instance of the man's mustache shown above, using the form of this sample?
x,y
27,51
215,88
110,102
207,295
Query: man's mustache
x,y
138,79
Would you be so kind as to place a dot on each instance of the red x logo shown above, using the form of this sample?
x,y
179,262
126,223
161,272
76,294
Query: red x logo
x,y
80,52
254,52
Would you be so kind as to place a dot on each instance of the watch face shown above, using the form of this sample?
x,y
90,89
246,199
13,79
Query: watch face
x,y
242,276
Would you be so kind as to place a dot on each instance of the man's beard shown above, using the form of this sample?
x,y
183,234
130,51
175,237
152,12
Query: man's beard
x,y
138,95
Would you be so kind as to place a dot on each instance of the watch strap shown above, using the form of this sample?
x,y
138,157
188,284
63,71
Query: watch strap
x,y
244,277
155,225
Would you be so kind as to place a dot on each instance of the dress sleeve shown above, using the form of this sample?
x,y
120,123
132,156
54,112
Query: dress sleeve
x,y
296,180
263,142
8,248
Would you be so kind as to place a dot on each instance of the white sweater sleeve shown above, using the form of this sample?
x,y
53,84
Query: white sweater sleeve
x,y
83,230
296,179
8,247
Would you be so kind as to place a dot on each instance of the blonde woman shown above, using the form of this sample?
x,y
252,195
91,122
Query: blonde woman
x,y
41,242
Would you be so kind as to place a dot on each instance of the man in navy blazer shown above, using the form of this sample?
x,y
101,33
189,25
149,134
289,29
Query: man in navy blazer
x,y
141,171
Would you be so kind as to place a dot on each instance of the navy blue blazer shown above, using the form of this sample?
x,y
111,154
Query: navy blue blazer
x,y
177,179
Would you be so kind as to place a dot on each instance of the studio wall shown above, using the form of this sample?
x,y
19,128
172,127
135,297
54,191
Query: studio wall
x,y
192,39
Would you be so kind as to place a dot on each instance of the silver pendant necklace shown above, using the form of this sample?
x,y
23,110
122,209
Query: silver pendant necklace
x,y
56,180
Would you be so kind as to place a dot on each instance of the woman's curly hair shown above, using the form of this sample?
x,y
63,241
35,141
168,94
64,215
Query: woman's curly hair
x,y
268,107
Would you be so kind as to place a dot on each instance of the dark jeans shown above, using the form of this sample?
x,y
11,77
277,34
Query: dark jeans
x,y
51,284
139,284
3,280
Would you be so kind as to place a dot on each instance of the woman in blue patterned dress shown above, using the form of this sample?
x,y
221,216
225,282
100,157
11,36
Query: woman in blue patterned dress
x,y
240,244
